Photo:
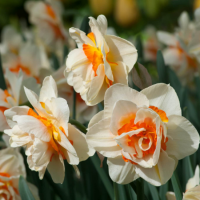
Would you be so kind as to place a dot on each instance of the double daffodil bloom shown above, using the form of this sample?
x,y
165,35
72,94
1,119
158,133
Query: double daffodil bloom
x,y
100,61
45,132
142,133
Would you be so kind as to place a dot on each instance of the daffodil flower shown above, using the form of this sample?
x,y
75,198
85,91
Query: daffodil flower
x,y
142,133
45,132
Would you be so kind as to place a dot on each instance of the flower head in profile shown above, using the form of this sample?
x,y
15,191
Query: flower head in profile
x,y
142,133
100,61
84,113
181,53
14,94
46,16
45,132
192,188
12,167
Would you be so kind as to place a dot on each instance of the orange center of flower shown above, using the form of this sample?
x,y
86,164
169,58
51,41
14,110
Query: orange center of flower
x,y
145,142
95,56
5,185
161,113
192,62
19,66
6,94
55,135
56,28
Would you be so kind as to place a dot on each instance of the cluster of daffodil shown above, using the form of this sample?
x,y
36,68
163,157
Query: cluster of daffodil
x,y
142,134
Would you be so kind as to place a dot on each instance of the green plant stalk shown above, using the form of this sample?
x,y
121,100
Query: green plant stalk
x,y
2,80
116,191
95,161
177,187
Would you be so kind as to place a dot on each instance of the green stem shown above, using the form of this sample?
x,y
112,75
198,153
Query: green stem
x,y
56,187
95,160
177,187
78,125
2,80
116,191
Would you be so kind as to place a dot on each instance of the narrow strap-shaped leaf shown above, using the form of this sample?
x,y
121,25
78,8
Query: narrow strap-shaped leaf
x,y
177,187
131,192
153,191
56,187
55,61
85,25
138,187
2,79
139,48
162,68
121,192
116,191
24,190
163,190
107,183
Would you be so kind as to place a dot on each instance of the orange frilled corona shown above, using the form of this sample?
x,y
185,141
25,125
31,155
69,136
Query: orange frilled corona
x,y
148,137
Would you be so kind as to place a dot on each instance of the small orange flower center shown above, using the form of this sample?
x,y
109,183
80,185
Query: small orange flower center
x,y
55,135
5,185
192,62
54,26
95,56
145,142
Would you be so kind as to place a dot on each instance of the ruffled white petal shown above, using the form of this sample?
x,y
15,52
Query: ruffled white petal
x,y
159,174
122,92
79,143
183,138
102,140
120,171
164,97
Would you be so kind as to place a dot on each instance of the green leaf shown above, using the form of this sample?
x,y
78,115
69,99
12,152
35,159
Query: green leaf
x,y
61,192
55,61
153,191
139,48
163,190
107,183
122,192
138,187
116,191
24,191
177,187
85,25
162,68
141,77
2,80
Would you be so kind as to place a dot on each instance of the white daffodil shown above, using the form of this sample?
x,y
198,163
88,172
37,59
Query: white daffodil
x,y
12,167
84,113
48,137
99,61
14,95
142,133
179,53
30,59
150,43
46,16
192,188
11,40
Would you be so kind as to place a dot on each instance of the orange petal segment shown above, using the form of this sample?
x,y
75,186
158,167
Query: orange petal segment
x,y
161,113
50,11
92,37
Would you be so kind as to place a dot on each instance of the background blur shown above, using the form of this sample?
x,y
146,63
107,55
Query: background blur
x,y
128,17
